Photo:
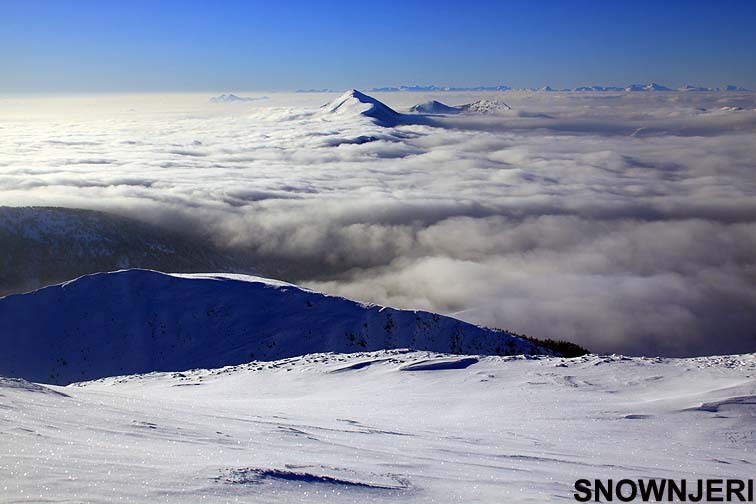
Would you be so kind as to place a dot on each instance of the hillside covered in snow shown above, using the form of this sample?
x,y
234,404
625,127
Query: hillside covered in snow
x,y
138,321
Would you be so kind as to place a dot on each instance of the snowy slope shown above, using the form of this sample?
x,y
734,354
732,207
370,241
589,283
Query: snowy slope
x,y
362,428
45,245
354,103
136,321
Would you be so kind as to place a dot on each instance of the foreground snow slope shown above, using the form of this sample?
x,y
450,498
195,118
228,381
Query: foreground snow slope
x,y
378,427
136,321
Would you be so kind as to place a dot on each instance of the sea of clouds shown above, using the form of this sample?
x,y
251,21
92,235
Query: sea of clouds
x,y
622,221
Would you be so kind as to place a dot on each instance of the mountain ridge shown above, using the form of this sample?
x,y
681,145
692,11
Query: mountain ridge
x,y
138,321
633,87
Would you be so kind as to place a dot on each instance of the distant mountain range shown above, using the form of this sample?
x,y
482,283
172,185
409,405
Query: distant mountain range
x,y
424,89
652,86
322,90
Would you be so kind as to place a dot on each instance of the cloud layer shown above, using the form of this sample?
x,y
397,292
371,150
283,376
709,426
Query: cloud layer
x,y
626,223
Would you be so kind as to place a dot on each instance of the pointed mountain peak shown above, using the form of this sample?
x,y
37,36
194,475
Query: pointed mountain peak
x,y
355,103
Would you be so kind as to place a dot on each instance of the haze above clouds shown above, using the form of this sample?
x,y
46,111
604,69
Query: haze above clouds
x,y
624,222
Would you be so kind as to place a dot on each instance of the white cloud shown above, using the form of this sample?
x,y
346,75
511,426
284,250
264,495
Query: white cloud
x,y
624,221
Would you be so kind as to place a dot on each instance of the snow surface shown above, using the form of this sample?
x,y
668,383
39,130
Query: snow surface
x,y
136,321
363,428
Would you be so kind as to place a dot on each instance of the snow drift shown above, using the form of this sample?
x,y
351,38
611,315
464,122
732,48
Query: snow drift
x,y
378,427
137,321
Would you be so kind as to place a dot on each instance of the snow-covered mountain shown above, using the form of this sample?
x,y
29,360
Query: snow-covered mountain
x,y
599,88
136,321
232,98
730,87
45,245
485,106
317,90
354,103
690,88
477,107
652,86
433,88
434,107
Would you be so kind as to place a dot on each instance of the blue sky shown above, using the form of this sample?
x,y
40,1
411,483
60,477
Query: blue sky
x,y
134,46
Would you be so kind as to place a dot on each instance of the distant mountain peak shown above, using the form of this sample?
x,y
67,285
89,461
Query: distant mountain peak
x,y
435,107
232,98
356,103
485,106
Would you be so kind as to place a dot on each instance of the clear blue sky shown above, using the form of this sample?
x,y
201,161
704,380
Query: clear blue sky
x,y
163,45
